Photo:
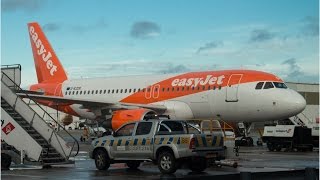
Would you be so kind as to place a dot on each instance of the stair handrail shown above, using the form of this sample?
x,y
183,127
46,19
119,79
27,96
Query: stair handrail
x,y
45,112
309,121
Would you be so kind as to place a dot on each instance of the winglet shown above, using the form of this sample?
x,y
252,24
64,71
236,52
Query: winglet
x,y
48,66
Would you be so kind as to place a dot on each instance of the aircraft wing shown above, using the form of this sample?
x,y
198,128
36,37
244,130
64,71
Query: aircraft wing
x,y
56,100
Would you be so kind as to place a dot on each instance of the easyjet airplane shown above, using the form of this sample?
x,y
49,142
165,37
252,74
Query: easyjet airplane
x,y
230,95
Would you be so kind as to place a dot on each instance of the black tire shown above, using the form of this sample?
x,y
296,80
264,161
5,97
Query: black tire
x,y
133,164
167,163
271,147
250,141
278,148
5,161
198,165
101,160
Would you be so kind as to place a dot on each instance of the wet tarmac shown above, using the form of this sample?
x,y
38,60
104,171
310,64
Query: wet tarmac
x,y
260,164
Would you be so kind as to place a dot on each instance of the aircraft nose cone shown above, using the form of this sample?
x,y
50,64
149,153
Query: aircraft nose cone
x,y
301,103
298,103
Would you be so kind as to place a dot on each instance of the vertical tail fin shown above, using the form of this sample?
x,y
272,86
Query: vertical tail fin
x,y
48,66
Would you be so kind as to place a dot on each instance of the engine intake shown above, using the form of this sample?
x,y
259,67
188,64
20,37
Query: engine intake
x,y
121,117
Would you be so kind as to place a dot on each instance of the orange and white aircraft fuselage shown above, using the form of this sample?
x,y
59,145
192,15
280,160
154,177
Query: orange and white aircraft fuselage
x,y
231,95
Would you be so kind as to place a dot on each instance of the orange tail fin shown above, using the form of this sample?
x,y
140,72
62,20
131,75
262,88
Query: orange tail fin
x,y
48,66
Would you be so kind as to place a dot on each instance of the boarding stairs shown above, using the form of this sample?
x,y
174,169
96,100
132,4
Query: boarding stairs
x,y
28,133
302,120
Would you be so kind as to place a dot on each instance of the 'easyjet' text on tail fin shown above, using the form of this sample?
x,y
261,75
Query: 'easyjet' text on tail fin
x,y
48,66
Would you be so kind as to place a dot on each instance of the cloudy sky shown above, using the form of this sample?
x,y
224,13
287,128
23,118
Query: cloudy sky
x,y
123,37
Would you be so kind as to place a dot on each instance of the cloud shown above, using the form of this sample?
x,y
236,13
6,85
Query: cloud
x,y
294,69
310,26
100,24
289,70
145,30
82,28
51,27
25,5
171,68
130,67
259,35
210,45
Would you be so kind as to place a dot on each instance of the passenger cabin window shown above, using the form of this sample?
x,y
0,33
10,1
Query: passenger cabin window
x,y
126,130
280,85
268,85
163,129
144,128
259,85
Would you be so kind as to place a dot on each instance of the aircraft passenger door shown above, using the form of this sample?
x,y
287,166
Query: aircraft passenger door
x,y
156,90
232,88
148,92
152,92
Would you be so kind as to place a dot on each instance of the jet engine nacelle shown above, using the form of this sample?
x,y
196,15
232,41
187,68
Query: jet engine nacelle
x,y
121,117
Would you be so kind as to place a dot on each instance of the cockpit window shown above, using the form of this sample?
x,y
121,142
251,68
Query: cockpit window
x,y
280,85
268,85
259,85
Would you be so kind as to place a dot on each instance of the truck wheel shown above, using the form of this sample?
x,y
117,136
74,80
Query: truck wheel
x,y
278,148
167,163
133,164
270,147
101,160
199,165
5,161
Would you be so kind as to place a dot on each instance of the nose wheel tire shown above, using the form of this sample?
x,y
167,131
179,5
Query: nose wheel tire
x,y
167,163
101,160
